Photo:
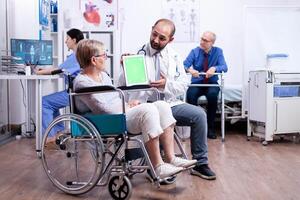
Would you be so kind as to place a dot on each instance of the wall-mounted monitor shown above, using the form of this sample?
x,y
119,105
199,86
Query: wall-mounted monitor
x,y
37,52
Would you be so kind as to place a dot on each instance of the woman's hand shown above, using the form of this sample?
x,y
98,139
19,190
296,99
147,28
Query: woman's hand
x,y
124,54
133,103
37,71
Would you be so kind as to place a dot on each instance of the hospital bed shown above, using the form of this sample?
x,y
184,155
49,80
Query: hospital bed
x,y
232,102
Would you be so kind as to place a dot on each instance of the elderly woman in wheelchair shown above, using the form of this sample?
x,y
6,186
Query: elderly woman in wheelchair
x,y
153,120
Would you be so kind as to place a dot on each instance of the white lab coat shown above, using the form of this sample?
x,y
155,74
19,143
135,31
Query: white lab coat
x,y
171,64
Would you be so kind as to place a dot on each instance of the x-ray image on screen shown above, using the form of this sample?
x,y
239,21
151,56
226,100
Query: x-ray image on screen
x,y
37,52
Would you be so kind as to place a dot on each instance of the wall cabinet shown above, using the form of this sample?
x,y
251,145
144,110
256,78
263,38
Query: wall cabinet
x,y
54,19
107,37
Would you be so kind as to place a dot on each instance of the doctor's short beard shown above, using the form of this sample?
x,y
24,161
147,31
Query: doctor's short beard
x,y
156,46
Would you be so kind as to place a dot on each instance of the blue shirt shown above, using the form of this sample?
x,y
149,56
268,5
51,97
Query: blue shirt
x,y
215,59
71,65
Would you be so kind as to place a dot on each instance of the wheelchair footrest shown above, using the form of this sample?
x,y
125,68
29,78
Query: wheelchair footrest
x,y
133,154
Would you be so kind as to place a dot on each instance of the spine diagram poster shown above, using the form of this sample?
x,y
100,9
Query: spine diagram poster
x,y
185,15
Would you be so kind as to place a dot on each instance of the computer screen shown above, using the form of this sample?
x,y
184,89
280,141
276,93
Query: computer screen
x,y
37,52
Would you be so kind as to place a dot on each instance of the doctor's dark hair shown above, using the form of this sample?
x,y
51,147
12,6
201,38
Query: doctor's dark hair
x,y
168,22
75,34
86,49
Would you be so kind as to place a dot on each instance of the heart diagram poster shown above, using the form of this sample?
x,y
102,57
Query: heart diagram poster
x,y
90,14
99,14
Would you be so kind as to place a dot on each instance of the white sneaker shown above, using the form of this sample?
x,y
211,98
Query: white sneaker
x,y
181,162
166,170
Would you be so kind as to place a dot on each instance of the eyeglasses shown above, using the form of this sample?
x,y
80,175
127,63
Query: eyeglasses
x,y
205,40
104,55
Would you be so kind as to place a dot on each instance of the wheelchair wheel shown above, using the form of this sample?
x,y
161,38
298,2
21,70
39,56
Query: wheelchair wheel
x,y
73,158
120,187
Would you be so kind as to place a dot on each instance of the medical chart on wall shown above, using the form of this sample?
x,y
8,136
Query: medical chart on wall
x,y
91,14
185,15
44,6
99,14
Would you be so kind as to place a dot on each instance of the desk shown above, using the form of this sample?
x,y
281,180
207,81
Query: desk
x,y
37,81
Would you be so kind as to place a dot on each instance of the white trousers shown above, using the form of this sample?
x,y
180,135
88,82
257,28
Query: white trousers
x,y
150,119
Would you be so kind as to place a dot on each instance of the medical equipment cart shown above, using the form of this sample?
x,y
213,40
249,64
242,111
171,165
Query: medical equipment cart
x,y
274,104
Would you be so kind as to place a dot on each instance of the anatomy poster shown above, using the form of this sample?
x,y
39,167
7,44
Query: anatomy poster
x,y
99,14
185,15
44,6
90,14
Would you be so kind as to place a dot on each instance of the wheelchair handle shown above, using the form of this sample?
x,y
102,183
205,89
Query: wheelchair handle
x,y
67,74
100,89
96,89
134,87
57,71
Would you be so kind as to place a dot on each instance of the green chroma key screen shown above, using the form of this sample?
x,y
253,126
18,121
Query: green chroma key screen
x,y
135,70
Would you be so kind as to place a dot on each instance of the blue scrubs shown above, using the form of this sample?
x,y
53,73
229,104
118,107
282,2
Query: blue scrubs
x,y
53,102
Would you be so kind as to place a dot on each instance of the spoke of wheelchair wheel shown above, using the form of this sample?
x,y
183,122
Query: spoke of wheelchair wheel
x,y
123,188
120,193
76,167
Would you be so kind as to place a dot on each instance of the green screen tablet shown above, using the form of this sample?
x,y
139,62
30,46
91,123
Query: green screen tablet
x,y
135,70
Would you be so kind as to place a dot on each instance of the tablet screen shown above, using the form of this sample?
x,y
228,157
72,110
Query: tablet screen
x,y
135,70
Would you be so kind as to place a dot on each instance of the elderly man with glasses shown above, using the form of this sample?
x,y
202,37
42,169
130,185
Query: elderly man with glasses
x,y
208,59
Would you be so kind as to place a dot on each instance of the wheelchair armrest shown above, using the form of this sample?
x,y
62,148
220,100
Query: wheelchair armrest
x,y
137,88
134,87
96,89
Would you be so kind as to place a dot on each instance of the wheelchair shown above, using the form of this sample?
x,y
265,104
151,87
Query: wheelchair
x,y
96,150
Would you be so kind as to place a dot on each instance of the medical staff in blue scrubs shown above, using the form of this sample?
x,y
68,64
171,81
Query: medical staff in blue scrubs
x,y
53,102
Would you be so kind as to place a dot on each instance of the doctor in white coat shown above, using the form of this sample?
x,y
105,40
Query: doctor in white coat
x,y
166,72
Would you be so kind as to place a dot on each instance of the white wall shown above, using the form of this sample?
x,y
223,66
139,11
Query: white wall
x,y
2,25
3,94
22,23
224,17
23,19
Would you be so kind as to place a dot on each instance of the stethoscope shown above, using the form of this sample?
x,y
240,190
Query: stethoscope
x,y
177,73
142,51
